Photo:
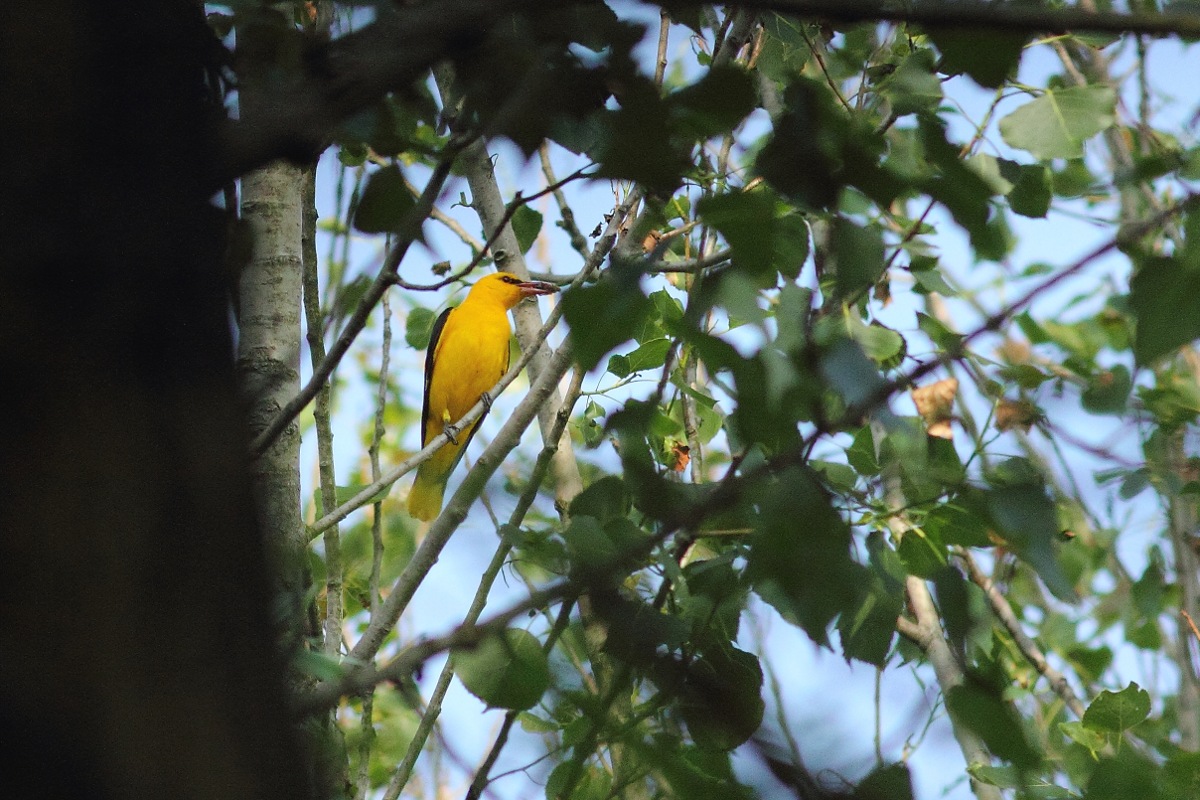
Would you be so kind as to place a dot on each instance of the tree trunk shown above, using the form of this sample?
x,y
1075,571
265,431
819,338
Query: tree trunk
x,y
139,661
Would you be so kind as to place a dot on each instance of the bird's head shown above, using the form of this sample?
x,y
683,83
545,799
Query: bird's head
x,y
509,289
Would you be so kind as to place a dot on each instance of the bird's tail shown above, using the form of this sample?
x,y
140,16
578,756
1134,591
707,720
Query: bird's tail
x,y
425,497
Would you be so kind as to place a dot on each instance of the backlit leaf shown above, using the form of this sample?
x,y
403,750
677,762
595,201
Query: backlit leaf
x,y
507,670
1057,124
1113,712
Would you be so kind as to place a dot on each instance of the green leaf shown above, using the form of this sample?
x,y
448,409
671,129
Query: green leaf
x,y
650,355
807,574
961,523
962,190
800,158
740,217
914,86
715,104
840,477
603,500
1079,733
345,493
1182,776
1108,391
989,57
385,203
1027,520
921,555
1164,299
861,453
1031,193
1057,124
859,257
417,328
720,701
816,148
526,224
599,551
688,771
637,631
878,342
941,336
954,601
994,720
508,670
1123,777
1006,777
1089,662
715,596
636,144
604,315
891,782
321,666
867,629
591,782
1113,712
849,372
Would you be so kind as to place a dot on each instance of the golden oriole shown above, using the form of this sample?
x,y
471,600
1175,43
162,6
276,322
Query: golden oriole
x,y
467,355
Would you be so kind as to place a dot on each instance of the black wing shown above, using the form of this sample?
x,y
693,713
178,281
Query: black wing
x,y
434,335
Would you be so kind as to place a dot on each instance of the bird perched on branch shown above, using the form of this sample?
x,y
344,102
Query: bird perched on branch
x,y
467,355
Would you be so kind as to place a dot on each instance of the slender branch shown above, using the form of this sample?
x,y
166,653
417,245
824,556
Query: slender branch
x,y
565,212
949,675
325,466
384,482
434,706
499,257
376,442
1028,647
664,34
383,280
928,634
456,510
879,395
366,722
410,658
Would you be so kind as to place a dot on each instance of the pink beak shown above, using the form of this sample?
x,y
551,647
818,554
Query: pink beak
x,y
531,288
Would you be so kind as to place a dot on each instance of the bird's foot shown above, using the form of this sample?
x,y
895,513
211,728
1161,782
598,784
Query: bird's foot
x,y
486,399
451,434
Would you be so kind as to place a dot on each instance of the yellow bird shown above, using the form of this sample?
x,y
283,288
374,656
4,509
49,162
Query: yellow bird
x,y
468,353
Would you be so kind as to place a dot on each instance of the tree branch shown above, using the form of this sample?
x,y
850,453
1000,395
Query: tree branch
x,y
456,510
357,70
370,493
358,320
350,74
987,16
1028,647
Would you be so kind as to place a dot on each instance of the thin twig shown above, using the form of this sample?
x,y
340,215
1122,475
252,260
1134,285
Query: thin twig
x,y
994,322
510,209
383,483
434,707
565,213
1033,654
358,320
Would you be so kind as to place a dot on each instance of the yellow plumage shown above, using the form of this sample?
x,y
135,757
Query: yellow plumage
x,y
468,353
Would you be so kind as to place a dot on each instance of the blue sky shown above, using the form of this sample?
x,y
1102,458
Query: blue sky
x,y
831,702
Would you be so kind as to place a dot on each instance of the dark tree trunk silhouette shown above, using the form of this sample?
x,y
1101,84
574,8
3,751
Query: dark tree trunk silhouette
x,y
138,656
